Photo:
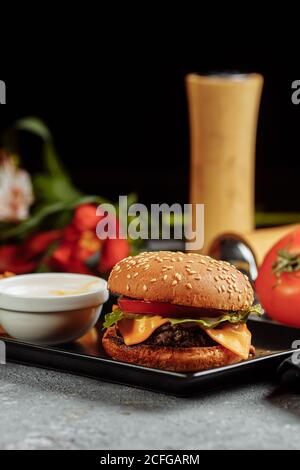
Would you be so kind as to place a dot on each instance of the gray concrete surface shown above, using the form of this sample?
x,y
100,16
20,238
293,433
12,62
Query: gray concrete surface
x,y
42,409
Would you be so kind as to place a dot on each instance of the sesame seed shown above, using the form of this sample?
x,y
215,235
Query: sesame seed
x,y
128,287
239,298
216,278
153,280
219,289
117,267
173,260
164,269
178,276
135,274
174,283
128,276
180,258
197,278
165,277
223,288
188,285
209,269
145,287
193,272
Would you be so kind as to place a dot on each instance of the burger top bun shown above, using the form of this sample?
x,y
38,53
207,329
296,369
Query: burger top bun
x,y
184,279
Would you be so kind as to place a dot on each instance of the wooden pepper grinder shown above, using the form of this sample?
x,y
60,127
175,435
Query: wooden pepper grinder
x,y
223,110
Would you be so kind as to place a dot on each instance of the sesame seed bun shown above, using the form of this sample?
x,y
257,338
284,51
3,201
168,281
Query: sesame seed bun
x,y
183,279
166,358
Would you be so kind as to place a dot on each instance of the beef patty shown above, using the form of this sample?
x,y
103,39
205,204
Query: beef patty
x,y
180,336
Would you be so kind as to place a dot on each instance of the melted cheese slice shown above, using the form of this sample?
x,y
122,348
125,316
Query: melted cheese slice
x,y
137,331
235,337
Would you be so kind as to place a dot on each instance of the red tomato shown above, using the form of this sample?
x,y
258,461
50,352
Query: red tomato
x,y
143,307
278,281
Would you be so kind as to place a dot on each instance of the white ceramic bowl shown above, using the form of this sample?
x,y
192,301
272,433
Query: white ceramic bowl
x,y
51,308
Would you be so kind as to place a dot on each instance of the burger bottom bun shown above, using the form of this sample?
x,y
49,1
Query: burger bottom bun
x,y
166,358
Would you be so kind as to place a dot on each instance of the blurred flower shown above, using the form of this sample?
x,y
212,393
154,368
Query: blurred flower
x,y
85,218
14,258
76,248
81,249
16,193
26,257
112,252
38,243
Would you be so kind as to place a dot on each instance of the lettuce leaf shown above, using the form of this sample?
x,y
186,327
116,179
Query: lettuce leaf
x,y
111,318
206,322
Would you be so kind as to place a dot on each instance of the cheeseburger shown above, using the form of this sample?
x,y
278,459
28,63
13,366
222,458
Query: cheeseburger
x,y
179,312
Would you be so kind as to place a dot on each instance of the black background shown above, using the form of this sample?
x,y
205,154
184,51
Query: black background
x,y
118,112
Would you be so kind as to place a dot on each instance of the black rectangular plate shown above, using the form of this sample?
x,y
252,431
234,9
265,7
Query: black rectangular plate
x,y
86,357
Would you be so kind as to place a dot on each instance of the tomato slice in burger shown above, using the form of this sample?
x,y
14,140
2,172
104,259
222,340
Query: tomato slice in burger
x,y
143,307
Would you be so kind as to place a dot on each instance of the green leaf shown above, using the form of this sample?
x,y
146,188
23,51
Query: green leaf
x,y
35,126
53,163
26,227
233,317
49,188
230,316
112,318
54,184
